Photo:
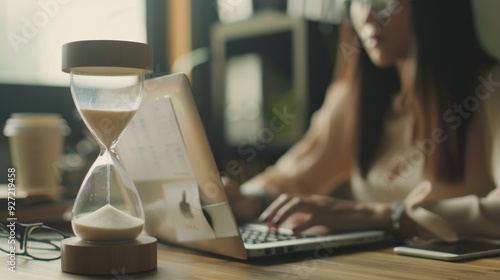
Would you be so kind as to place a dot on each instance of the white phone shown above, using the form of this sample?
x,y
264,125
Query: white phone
x,y
461,250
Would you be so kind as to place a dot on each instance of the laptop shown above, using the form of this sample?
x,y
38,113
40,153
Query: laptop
x,y
166,152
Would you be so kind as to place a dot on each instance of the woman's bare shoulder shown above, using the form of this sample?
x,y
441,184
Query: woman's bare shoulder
x,y
338,87
336,94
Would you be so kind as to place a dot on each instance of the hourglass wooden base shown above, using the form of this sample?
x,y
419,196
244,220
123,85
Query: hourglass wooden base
x,y
118,259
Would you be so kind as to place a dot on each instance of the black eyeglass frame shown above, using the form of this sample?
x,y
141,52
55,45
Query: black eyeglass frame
x,y
23,238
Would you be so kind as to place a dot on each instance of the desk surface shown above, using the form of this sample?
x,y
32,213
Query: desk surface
x,y
376,263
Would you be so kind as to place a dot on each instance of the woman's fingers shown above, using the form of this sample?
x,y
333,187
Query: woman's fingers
x,y
293,205
270,212
287,205
330,214
300,228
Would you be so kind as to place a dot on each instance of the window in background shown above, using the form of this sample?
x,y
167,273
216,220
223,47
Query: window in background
x,y
33,33
317,10
259,74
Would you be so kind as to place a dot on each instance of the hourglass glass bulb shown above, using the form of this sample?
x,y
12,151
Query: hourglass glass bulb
x,y
107,86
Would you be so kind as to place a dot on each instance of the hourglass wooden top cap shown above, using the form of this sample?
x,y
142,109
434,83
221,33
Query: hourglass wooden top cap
x,y
106,57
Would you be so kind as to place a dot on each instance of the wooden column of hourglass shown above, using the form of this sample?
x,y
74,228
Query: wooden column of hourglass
x,y
101,247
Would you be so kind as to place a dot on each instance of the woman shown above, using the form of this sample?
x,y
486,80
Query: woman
x,y
410,125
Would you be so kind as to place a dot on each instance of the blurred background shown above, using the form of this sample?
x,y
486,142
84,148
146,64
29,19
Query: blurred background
x,y
250,63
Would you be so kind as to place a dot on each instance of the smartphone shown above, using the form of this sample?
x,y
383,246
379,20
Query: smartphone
x,y
461,250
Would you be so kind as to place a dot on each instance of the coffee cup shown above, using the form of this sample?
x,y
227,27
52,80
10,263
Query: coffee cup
x,y
36,144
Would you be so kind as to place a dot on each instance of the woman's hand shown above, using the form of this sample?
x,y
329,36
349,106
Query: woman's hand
x,y
334,215
245,207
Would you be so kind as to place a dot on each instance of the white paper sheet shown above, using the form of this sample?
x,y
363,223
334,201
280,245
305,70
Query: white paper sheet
x,y
153,148
185,211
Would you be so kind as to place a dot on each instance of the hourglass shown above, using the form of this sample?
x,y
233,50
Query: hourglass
x,y
107,87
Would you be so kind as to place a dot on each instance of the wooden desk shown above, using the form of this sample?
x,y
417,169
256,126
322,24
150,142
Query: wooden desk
x,y
375,263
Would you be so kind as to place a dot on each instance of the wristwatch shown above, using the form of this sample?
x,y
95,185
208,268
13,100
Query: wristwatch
x,y
398,208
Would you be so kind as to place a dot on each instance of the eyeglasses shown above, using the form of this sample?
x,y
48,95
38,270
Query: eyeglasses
x,y
37,241
381,8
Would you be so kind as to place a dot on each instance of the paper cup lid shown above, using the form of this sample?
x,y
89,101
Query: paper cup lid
x,y
20,121
106,57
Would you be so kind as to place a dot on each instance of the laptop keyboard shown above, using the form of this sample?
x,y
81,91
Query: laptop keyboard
x,y
252,234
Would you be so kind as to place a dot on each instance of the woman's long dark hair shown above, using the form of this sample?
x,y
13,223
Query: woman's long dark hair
x,y
448,61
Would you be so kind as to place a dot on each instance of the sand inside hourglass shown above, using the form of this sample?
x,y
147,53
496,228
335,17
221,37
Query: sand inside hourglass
x,y
107,124
107,224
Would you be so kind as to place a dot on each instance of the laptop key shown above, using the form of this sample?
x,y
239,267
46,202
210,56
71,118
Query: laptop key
x,y
254,236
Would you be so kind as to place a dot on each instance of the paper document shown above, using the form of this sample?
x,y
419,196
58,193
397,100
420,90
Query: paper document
x,y
153,148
